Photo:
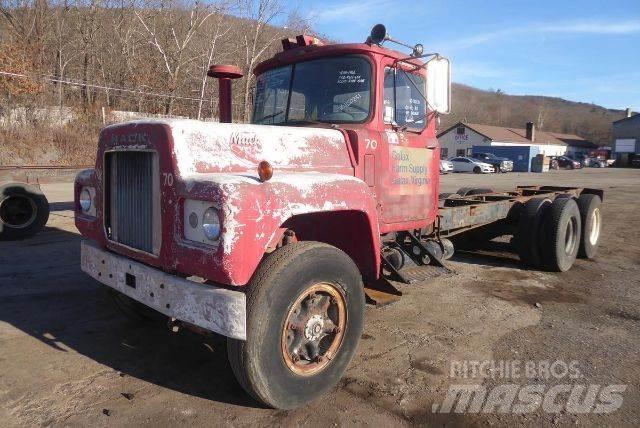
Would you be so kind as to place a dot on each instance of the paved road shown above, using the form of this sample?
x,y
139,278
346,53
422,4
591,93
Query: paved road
x,y
67,357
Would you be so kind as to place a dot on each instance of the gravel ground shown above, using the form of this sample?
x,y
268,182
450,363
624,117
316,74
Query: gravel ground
x,y
68,357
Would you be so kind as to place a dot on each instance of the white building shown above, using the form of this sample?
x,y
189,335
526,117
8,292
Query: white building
x,y
459,140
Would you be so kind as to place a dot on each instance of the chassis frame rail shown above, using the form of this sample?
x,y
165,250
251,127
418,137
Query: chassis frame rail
x,y
459,214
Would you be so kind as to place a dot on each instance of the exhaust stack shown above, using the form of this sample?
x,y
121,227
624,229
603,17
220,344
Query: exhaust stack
x,y
531,131
224,73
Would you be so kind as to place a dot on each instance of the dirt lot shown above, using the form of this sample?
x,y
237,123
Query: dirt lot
x,y
68,357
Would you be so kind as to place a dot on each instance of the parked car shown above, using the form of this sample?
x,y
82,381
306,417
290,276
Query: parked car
x,y
464,164
445,166
499,164
565,162
594,163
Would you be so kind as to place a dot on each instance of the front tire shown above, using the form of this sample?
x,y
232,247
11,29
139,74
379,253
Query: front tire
x,y
477,170
305,313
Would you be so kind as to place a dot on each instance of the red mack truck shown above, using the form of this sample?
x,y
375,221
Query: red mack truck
x,y
275,233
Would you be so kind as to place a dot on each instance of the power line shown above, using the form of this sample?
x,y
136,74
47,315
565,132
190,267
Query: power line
x,y
106,88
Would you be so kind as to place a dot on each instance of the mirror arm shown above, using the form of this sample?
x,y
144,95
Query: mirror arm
x,y
409,58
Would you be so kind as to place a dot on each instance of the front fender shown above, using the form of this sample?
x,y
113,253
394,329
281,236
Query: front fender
x,y
253,212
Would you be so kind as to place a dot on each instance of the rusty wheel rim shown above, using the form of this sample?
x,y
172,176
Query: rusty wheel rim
x,y
314,329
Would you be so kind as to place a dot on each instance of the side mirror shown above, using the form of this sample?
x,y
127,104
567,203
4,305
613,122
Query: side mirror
x,y
439,84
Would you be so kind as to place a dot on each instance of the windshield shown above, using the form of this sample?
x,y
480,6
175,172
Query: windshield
x,y
331,90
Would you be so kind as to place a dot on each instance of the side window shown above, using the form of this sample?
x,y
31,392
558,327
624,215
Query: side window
x,y
444,152
403,100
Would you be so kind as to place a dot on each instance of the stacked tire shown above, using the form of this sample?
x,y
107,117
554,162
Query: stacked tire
x,y
552,234
24,210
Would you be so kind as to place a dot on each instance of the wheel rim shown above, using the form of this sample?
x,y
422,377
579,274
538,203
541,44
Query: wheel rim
x,y
18,211
594,233
314,329
570,235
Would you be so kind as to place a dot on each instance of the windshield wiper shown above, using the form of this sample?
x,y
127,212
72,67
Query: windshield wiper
x,y
270,116
307,121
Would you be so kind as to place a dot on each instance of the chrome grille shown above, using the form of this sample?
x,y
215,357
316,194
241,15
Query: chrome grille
x,y
132,196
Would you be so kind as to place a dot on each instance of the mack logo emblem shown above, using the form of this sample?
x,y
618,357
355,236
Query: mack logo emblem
x,y
132,138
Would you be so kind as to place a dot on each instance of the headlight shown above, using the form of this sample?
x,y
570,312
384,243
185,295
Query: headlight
x,y
87,200
201,222
211,224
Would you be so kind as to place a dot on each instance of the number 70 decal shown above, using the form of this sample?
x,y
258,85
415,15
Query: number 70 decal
x,y
371,144
167,179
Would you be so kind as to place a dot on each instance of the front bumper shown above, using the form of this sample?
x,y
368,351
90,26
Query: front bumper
x,y
212,308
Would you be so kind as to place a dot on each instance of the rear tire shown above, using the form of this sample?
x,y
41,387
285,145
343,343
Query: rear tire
x,y
276,363
528,233
591,216
561,235
24,210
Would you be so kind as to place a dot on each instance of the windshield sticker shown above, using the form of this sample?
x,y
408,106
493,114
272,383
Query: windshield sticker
x,y
409,174
392,137
349,76
350,101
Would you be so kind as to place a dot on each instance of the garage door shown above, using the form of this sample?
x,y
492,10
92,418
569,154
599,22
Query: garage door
x,y
626,145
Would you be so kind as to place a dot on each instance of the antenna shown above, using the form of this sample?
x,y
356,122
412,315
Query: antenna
x,y
379,35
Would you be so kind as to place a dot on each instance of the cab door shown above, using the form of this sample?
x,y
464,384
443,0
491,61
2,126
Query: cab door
x,y
407,183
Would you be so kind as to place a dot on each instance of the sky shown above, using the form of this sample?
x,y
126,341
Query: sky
x,y
580,50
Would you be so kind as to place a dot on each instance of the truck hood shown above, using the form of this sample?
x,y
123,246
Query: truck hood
x,y
209,147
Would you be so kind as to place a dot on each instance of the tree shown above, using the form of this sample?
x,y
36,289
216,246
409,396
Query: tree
x,y
257,40
170,31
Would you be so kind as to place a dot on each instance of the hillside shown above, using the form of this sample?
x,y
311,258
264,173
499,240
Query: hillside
x,y
548,113
139,57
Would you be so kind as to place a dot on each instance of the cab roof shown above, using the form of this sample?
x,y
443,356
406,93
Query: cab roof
x,y
305,49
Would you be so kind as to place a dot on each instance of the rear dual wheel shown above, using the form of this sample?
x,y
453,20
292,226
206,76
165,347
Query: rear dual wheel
x,y
552,234
562,230
591,216
305,310
528,235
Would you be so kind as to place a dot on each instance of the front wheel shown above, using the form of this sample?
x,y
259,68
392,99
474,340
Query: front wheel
x,y
305,311
477,170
